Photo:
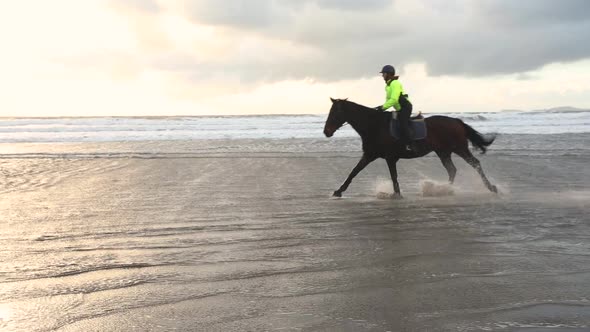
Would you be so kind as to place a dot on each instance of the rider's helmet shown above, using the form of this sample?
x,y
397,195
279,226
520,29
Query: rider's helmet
x,y
388,69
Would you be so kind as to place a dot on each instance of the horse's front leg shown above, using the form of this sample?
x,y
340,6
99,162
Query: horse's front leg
x,y
391,163
359,167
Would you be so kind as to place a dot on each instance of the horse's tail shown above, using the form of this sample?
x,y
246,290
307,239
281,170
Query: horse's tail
x,y
477,139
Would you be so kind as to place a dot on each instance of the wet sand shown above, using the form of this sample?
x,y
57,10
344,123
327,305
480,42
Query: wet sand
x,y
255,243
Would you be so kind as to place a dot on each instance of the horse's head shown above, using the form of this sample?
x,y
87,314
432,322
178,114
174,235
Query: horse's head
x,y
336,118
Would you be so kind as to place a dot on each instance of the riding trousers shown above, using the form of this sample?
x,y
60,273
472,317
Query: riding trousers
x,y
403,116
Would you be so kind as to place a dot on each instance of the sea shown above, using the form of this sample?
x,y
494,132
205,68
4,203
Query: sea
x,y
59,136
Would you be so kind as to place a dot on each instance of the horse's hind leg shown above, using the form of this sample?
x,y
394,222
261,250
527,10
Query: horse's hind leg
x,y
445,158
391,164
474,162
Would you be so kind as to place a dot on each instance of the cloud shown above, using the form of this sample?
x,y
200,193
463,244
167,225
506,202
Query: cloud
x,y
535,13
269,13
253,42
353,39
236,13
353,4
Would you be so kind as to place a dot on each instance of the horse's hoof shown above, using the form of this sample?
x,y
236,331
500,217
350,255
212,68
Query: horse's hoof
x,y
337,194
494,189
397,196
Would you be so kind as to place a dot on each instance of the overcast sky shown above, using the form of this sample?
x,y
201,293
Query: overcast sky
x,y
179,57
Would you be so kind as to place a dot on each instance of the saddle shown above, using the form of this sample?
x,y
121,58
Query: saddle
x,y
416,128
416,117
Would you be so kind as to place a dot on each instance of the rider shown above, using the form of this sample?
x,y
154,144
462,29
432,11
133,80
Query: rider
x,y
396,97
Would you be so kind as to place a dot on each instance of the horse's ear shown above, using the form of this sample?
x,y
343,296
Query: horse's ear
x,y
333,100
345,99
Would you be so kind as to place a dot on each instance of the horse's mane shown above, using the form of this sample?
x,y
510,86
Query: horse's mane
x,y
370,109
358,106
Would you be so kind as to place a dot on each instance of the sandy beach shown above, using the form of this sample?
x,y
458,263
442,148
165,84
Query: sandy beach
x,y
253,242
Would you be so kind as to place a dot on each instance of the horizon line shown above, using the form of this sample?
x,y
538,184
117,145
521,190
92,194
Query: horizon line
x,y
8,117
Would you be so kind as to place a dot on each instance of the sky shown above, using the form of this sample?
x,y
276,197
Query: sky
x,y
214,57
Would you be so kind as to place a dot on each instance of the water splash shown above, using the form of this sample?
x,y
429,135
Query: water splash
x,y
436,189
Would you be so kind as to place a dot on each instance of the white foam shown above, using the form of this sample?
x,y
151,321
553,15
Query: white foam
x,y
436,189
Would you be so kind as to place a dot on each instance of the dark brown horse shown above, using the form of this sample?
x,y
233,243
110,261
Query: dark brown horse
x,y
445,135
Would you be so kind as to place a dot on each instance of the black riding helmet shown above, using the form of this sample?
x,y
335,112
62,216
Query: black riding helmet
x,y
388,69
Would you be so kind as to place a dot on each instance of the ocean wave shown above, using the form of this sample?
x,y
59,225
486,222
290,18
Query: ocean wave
x,y
473,118
109,129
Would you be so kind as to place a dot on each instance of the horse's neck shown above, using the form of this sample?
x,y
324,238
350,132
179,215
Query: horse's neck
x,y
364,122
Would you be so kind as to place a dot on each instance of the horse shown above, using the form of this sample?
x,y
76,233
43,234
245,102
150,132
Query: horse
x,y
445,135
